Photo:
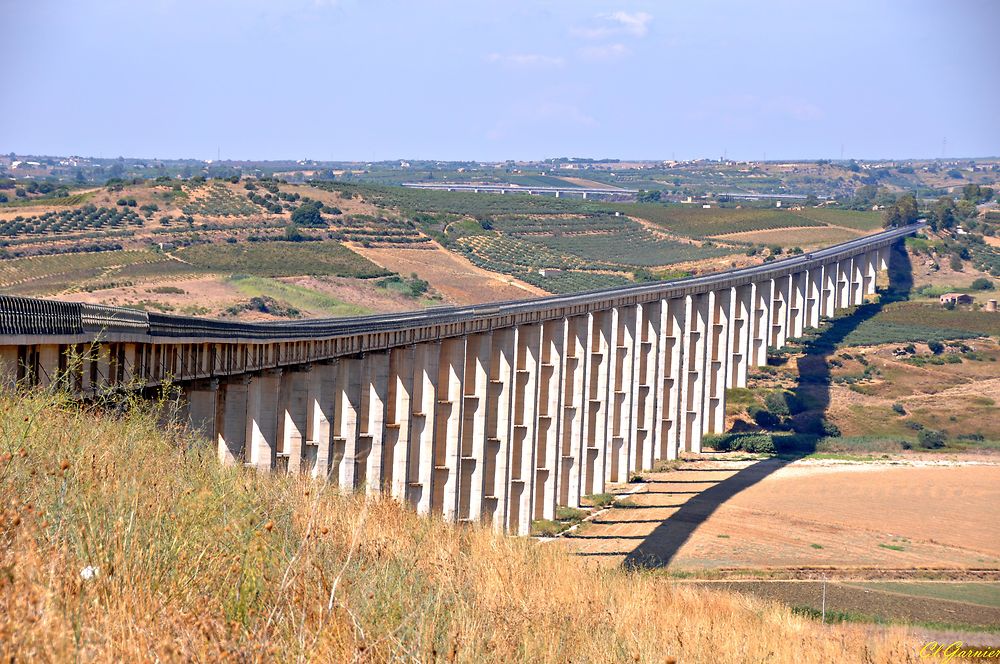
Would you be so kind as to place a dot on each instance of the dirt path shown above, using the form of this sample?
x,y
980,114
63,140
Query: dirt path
x,y
767,515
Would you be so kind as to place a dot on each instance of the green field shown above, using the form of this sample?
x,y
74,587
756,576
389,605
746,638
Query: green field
x,y
461,202
48,275
220,201
72,199
86,218
297,296
605,240
862,221
281,259
697,222
914,322
983,594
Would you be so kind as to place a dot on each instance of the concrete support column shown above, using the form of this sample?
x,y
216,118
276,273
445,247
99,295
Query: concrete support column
x,y
202,400
8,365
858,279
129,369
780,295
596,417
658,431
649,371
741,307
232,432
478,349
761,322
347,413
693,385
870,272
102,360
372,431
883,258
717,361
447,449
48,365
397,424
426,358
262,419
522,477
830,296
294,393
814,296
797,308
621,431
500,428
674,376
547,456
573,447
319,425
843,299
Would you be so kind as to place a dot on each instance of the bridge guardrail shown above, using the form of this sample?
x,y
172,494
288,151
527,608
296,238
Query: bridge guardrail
x,y
25,315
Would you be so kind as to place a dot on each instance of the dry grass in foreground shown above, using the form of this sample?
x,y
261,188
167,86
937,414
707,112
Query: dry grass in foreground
x,y
192,561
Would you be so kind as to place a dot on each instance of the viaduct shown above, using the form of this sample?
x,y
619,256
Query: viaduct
x,y
492,413
558,192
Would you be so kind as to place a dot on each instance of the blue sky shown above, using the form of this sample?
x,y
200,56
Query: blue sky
x,y
521,79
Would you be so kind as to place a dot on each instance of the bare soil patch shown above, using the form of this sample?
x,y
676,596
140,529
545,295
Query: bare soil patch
x,y
767,514
458,280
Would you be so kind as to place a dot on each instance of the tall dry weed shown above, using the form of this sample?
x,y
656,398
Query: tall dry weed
x,y
188,560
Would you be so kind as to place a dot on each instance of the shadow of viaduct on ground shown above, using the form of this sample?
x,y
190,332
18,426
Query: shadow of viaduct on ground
x,y
813,387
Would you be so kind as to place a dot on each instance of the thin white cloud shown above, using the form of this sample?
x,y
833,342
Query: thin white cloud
x,y
604,52
525,60
616,24
636,24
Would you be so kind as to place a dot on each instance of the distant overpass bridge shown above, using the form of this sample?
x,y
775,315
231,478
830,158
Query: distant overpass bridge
x,y
492,413
558,192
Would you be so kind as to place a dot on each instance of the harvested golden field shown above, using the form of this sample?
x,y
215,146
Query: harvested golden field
x,y
451,275
806,237
766,515
125,542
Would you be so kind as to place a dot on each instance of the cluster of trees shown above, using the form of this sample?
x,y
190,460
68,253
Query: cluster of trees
x,y
867,196
977,194
902,212
947,213
309,213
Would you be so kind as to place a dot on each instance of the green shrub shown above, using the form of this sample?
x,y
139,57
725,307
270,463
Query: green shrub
x,y
777,403
763,417
828,428
930,439
936,347
898,409
547,528
570,514
600,499
758,442
982,283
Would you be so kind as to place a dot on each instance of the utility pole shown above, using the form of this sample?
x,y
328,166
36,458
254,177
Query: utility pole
x,y
824,600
